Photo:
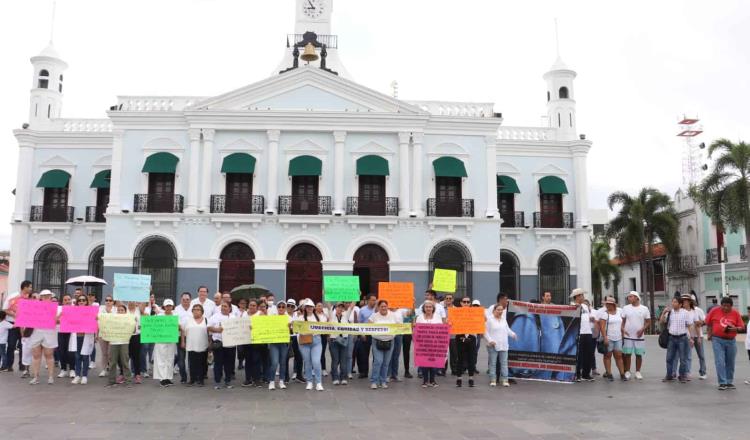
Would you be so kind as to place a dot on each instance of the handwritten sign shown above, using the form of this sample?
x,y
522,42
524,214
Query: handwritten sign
x,y
116,328
236,331
341,288
161,329
398,295
270,329
132,287
431,345
36,314
466,320
444,280
79,319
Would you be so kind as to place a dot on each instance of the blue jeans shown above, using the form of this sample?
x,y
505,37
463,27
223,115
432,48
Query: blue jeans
x,y
81,364
339,362
2,353
677,348
350,354
725,350
698,344
494,356
397,342
277,353
381,360
147,356
181,356
311,358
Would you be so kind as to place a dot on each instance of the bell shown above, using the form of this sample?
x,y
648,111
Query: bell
x,y
309,54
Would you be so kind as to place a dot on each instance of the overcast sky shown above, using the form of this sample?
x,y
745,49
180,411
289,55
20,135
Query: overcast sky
x,y
641,64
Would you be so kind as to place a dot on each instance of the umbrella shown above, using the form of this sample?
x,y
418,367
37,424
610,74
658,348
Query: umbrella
x,y
86,280
249,291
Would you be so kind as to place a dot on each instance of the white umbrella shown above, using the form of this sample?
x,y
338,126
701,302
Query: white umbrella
x,y
86,280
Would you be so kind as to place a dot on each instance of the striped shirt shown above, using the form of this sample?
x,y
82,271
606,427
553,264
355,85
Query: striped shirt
x,y
679,321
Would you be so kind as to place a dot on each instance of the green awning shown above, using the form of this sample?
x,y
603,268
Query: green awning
x,y
372,166
161,163
449,167
507,185
238,163
552,185
305,166
54,179
101,179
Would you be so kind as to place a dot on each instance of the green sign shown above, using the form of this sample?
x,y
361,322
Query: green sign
x,y
162,329
340,288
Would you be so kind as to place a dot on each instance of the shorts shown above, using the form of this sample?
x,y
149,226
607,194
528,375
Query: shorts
x,y
614,346
45,338
634,346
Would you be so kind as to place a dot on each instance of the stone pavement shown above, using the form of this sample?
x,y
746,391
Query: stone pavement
x,y
529,410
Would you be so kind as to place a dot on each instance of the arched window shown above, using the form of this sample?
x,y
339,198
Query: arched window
x,y
96,268
156,256
50,269
453,255
60,84
509,274
554,276
563,93
548,96
43,82
371,265
237,266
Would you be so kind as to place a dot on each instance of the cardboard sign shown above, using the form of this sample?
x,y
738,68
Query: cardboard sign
x,y
79,319
270,329
33,313
431,345
340,288
398,295
236,331
335,328
466,320
444,280
116,328
132,287
161,329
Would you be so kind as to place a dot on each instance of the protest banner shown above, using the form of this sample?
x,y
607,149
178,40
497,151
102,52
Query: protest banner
x,y
132,287
325,328
547,343
79,319
444,280
116,328
431,345
340,288
466,320
36,314
236,331
270,329
161,329
398,295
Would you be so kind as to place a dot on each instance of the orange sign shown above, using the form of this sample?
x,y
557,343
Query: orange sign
x,y
398,295
466,320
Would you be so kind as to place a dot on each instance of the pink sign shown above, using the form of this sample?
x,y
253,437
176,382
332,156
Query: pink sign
x,y
431,344
36,314
79,319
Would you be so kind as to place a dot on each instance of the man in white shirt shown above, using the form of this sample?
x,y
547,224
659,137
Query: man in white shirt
x,y
636,318
10,305
208,306
699,317
184,311
227,298
271,300
429,295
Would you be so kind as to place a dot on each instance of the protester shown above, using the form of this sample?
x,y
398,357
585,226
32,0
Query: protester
x,y
585,340
322,311
209,307
698,316
277,354
679,324
252,352
452,360
43,341
108,308
183,312
406,345
401,316
722,325
310,346
297,364
636,318
5,328
496,335
194,341
339,345
382,350
63,356
10,306
364,343
611,327
428,315
164,354
80,346
134,347
118,355
223,356
466,359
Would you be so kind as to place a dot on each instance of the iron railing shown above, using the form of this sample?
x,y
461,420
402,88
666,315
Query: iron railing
x,y
166,203
553,220
450,207
244,204
305,205
713,256
364,206
331,41
516,220
682,265
64,214
95,214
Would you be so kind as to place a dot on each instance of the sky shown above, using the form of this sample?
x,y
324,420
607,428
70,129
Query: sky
x,y
641,65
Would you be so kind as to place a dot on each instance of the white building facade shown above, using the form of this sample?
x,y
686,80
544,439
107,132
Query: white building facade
x,y
302,174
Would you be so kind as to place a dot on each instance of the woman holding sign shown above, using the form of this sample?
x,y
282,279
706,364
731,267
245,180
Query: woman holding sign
x,y
497,344
428,315
382,346
223,356
195,343
43,341
310,346
80,346
164,354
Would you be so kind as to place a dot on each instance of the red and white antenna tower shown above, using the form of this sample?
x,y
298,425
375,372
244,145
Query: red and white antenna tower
x,y
692,153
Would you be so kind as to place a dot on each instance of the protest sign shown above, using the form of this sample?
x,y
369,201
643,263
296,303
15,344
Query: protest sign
x,y
444,280
398,295
431,345
79,319
161,329
36,314
466,320
270,329
236,331
132,287
340,288
325,328
116,328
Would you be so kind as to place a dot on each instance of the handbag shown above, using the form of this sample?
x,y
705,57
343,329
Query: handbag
x,y
216,345
26,333
601,347
664,334
304,339
383,345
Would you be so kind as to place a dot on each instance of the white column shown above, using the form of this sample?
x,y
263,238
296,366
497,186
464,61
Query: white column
x,y
24,184
207,178
114,182
18,250
491,159
339,138
583,236
418,203
404,205
273,171
194,173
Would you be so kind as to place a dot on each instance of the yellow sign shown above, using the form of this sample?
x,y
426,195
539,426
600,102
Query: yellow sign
x,y
444,280
270,329
116,329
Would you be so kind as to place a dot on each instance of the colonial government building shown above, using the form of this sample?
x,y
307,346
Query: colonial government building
x,y
302,174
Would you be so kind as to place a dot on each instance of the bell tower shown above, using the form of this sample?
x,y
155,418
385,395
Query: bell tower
x,y
46,88
561,104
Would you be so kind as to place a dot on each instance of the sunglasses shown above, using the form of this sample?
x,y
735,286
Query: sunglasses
x,y
108,300
465,302
281,306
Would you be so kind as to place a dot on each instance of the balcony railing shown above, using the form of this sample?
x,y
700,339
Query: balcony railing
x,y
95,214
364,206
165,203
743,253
331,41
64,214
305,205
450,208
713,256
683,265
245,204
515,221
553,220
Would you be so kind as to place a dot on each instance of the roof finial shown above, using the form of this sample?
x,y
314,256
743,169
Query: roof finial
x,y
52,23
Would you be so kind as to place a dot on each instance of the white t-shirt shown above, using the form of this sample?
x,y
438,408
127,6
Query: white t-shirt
x,y
182,313
208,306
234,313
613,324
388,318
196,335
635,319
6,305
439,310
215,321
4,327
697,314
436,319
585,328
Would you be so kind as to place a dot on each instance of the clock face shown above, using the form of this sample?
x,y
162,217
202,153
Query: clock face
x,y
313,8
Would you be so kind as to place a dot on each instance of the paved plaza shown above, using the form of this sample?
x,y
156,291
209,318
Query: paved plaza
x,y
530,410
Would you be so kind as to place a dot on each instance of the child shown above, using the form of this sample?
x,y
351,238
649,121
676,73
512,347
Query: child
x,y
4,327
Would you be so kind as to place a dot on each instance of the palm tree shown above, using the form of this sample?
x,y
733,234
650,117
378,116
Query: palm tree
x,y
640,222
724,194
602,269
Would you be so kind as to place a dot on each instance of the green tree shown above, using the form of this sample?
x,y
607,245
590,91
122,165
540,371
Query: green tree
x,y
602,269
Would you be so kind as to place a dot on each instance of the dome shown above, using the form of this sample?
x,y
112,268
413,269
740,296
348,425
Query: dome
x,y
50,52
559,65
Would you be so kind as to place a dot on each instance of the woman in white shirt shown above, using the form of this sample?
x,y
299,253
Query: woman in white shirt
x,y
382,347
338,345
164,354
585,339
310,346
194,341
80,346
322,311
428,315
610,324
277,354
496,333
43,341
223,356
134,347
108,307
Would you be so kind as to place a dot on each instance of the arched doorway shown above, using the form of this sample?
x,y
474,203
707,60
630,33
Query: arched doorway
x,y
453,255
509,274
50,269
237,266
157,257
371,265
304,273
554,276
96,268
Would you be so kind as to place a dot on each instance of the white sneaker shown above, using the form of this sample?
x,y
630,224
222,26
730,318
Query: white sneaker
x,y
294,376
350,376
493,384
63,373
271,385
92,365
146,375
384,386
638,375
34,381
702,377
319,387
627,375
50,380
309,386
72,373
76,380
103,373
84,380
344,382
325,373
506,383
373,386
282,385
335,382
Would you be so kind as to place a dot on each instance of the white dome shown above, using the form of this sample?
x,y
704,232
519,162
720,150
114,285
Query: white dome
x,y
50,52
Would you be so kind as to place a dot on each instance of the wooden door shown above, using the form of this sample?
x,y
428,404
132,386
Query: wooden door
x,y
161,192
371,195
237,266
239,191
102,200
371,264
304,273
551,210
305,195
506,206
55,205
448,195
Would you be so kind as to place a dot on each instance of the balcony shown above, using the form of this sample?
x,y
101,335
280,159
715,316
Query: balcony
x,y
562,220
743,253
685,265
63,214
244,204
95,214
305,205
713,256
450,208
517,220
162,203
365,206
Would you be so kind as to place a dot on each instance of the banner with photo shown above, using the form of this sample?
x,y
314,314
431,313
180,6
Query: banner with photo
x,y
547,343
